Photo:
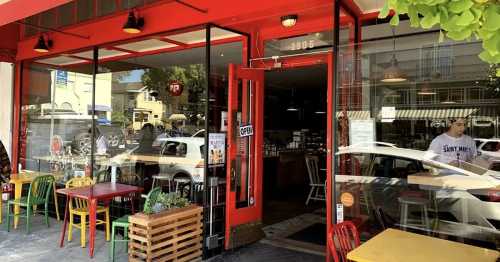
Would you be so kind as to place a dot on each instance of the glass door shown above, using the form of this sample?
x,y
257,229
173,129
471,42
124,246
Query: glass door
x,y
245,141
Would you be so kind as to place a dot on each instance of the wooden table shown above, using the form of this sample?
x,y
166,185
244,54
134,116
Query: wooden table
x,y
104,192
394,245
451,181
26,177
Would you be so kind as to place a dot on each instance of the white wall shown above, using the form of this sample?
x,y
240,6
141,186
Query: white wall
x,y
6,103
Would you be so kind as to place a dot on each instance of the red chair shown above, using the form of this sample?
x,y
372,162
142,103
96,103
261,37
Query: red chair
x,y
342,238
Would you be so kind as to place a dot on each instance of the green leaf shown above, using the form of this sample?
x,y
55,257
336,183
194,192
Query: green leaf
x,y
498,72
488,58
485,34
460,6
395,20
492,18
451,24
465,18
384,12
459,35
429,21
492,45
414,19
443,12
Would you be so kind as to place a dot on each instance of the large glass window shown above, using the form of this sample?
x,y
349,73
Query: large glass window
x,y
55,117
149,111
417,121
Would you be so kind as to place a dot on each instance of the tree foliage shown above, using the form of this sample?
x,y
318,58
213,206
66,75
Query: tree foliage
x,y
458,20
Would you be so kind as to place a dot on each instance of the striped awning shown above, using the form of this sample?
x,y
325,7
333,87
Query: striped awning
x,y
434,113
355,114
416,114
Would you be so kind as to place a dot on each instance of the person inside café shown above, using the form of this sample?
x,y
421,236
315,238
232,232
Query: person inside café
x,y
454,145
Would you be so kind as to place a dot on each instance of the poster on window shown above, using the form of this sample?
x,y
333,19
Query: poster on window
x,y
216,149
361,131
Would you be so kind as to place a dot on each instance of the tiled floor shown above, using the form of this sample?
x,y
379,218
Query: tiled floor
x,y
43,245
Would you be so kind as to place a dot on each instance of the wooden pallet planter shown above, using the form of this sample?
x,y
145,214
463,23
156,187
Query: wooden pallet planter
x,y
174,235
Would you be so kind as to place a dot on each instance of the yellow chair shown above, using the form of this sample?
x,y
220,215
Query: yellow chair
x,y
80,208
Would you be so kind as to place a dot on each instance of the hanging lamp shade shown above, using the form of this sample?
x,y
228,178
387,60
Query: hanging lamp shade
x,y
42,46
320,111
393,73
292,107
133,25
426,90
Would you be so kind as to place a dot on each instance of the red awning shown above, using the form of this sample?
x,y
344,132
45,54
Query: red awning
x,y
14,10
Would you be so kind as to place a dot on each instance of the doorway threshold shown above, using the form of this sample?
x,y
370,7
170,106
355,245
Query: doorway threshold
x,y
304,233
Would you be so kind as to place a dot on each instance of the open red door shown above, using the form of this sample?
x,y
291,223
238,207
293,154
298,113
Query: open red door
x,y
244,169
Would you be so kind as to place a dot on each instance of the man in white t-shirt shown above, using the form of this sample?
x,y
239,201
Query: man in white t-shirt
x,y
454,145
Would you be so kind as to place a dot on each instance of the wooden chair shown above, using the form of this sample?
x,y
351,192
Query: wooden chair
x,y
122,222
79,207
38,194
342,239
318,187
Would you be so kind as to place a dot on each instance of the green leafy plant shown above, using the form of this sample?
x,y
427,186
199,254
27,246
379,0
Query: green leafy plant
x,y
458,20
166,201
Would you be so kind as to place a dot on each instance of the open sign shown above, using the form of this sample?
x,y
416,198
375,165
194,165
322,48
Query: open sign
x,y
246,130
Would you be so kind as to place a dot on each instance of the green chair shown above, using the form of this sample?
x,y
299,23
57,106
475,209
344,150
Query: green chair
x,y
38,194
122,222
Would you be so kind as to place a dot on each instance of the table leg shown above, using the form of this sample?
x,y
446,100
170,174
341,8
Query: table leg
x,y
65,223
92,218
18,189
55,201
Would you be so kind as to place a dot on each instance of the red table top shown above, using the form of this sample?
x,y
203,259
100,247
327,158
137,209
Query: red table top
x,y
99,191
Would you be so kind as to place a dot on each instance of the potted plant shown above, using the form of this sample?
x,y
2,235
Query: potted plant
x,y
169,229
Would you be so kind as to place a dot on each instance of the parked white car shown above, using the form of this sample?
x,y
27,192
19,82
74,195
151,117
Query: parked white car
x,y
489,148
469,192
179,157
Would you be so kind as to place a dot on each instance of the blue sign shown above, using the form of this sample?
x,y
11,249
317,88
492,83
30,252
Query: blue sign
x,y
61,77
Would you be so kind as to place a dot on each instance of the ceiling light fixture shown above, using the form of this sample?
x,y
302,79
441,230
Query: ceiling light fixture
x,y
292,107
448,100
134,23
43,46
426,90
289,20
393,74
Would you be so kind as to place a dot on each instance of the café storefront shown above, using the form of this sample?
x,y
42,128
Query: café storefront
x,y
280,118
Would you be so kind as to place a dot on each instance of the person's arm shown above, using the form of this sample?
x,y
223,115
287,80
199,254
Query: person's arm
x,y
435,146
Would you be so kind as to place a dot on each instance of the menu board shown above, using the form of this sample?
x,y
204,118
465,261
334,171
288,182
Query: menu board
x,y
361,131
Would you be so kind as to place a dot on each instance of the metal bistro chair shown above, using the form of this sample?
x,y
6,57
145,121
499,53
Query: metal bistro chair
x,y
38,194
79,207
318,188
342,239
122,222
